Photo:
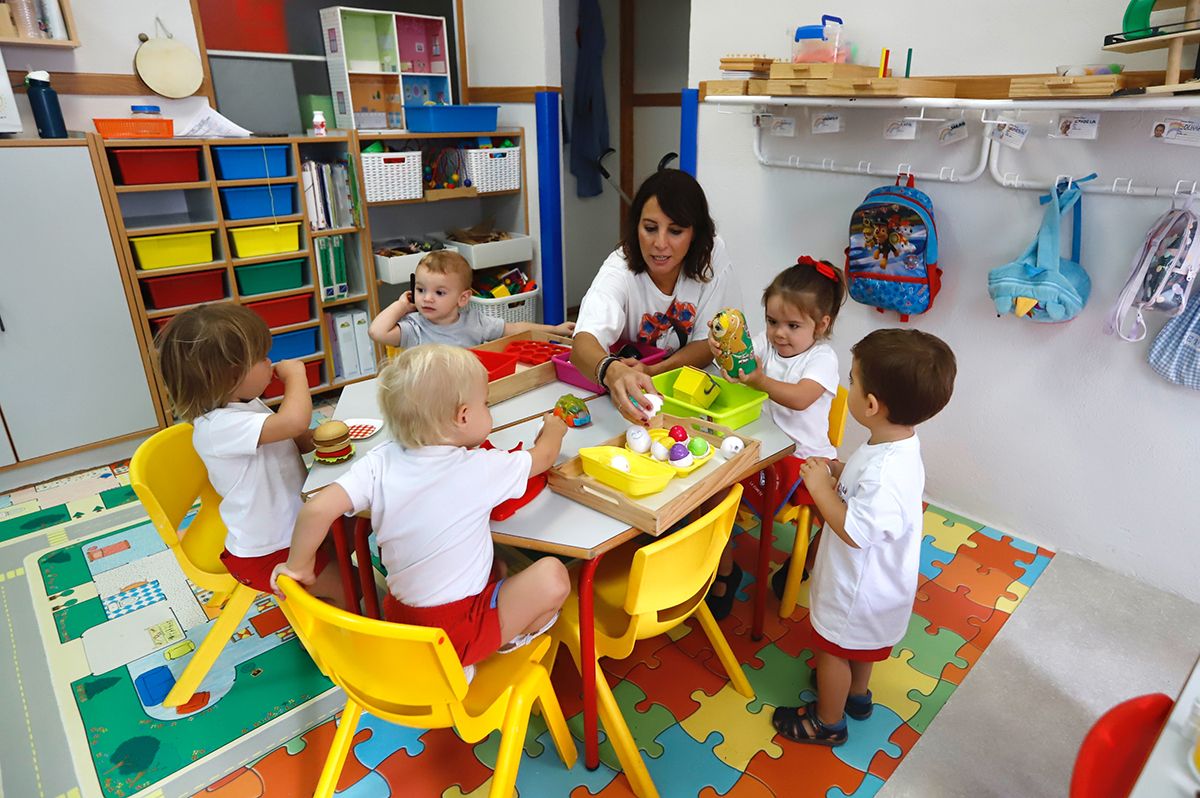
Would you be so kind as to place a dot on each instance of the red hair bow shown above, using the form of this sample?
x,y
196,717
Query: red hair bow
x,y
823,268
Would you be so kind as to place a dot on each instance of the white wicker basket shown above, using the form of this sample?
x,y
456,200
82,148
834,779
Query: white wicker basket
x,y
513,309
392,175
496,169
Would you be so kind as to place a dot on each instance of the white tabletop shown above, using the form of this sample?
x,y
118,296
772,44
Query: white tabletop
x,y
550,522
1166,774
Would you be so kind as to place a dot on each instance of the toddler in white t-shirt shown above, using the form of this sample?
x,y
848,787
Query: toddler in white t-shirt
x,y
865,577
430,493
798,370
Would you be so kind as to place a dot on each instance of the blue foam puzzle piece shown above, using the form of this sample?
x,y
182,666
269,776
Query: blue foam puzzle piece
x,y
1034,570
545,774
372,785
870,785
1015,542
929,553
866,738
386,739
687,767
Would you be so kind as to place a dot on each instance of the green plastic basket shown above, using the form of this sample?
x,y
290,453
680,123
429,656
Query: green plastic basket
x,y
264,278
735,406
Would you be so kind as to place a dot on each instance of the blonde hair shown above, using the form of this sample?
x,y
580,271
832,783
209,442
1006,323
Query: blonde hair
x,y
421,389
204,353
447,261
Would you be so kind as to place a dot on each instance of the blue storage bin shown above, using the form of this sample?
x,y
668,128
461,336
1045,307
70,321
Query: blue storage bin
x,y
451,118
254,202
297,343
249,162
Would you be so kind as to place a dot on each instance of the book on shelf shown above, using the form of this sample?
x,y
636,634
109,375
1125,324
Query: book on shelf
x,y
366,349
341,341
338,253
329,192
325,269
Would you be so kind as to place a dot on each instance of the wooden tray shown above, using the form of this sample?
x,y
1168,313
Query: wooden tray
x,y
1060,86
861,87
526,378
709,88
657,513
744,63
785,70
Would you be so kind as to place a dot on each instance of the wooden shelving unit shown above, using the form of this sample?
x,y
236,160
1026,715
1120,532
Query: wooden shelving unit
x,y
208,214
69,43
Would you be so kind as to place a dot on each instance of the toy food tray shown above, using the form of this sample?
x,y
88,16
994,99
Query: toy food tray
x,y
656,512
535,353
662,436
524,378
735,406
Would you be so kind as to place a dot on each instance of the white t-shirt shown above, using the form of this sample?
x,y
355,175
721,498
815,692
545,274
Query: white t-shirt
x,y
259,485
623,305
862,598
809,427
429,507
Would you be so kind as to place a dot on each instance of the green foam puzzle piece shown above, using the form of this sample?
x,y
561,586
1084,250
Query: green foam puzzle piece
x,y
931,653
930,704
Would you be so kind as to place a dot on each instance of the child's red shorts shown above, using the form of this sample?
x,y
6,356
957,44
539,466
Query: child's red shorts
x,y
256,571
471,623
858,655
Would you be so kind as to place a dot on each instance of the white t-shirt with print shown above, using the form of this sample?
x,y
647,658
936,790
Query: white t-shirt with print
x,y
429,508
809,427
862,598
623,305
259,485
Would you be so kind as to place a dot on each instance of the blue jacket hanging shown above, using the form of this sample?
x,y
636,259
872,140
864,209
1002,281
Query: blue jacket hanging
x,y
589,115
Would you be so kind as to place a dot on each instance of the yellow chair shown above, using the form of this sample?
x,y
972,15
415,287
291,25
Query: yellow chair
x,y
644,590
791,590
168,477
411,676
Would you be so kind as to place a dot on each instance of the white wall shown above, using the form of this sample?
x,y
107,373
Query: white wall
x,y
1059,434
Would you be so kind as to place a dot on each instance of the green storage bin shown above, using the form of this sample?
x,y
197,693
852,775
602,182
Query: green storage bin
x,y
735,406
265,278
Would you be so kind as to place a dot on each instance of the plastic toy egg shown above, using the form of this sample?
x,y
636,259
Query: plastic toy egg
x,y
650,404
659,452
680,457
620,462
731,446
638,439
698,447
678,433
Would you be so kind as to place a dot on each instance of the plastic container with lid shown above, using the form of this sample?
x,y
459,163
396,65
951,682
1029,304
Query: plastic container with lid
x,y
824,43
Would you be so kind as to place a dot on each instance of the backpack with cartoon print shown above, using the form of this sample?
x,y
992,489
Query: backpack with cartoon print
x,y
891,263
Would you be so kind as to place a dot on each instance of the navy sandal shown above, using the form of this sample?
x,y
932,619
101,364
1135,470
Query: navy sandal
x,y
721,606
779,578
789,722
858,707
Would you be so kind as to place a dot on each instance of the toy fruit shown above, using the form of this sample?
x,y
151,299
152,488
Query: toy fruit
x,y
637,439
680,457
332,442
659,451
731,446
620,462
572,410
698,446
737,349
678,433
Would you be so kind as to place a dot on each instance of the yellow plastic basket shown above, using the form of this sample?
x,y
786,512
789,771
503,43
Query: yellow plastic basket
x,y
175,249
645,475
267,239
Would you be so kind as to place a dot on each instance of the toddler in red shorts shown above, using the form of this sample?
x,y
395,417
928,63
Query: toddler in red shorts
x,y
430,493
214,362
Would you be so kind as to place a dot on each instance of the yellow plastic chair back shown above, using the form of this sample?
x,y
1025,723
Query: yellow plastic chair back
x,y
168,477
838,412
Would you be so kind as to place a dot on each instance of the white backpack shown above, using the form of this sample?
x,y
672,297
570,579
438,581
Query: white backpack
x,y
1163,272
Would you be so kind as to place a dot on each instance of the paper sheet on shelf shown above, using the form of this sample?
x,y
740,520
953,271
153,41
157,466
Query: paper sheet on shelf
x,y
208,124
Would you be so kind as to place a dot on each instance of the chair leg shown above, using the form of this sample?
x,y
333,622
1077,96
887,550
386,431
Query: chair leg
x,y
724,653
512,737
557,724
791,589
622,740
211,647
343,740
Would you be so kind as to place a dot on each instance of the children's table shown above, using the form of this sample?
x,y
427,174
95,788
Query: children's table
x,y
550,523
1166,772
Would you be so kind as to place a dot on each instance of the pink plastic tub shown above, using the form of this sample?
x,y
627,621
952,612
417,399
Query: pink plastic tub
x,y
570,375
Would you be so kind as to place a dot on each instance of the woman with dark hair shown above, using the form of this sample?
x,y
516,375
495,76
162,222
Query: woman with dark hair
x,y
669,277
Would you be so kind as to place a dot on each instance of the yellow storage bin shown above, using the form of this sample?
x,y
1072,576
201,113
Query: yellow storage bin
x,y
696,387
266,239
645,476
176,249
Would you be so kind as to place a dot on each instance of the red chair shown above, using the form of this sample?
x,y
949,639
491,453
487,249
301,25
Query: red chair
x,y
1116,748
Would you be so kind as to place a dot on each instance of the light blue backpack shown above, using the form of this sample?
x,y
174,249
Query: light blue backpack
x,y
1041,285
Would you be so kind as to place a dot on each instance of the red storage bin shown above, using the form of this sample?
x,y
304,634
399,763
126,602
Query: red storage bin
x,y
312,370
186,289
497,364
139,166
158,324
281,312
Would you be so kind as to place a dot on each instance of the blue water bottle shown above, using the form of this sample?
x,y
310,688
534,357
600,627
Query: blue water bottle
x,y
46,111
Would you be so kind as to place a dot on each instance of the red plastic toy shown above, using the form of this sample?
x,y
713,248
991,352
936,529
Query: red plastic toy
x,y
497,364
505,509
534,353
678,433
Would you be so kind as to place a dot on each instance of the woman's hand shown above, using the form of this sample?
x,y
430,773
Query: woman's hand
x,y
626,383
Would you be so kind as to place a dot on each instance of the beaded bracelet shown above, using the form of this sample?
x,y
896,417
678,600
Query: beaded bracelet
x,y
602,368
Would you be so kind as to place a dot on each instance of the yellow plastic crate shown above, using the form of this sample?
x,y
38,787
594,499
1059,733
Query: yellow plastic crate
x,y
175,249
267,239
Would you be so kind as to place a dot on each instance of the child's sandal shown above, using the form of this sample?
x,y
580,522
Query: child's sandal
x,y
858,707
722,605
789,722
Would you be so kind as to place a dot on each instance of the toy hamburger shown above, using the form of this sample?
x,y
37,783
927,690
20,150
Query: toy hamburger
x,y
332,442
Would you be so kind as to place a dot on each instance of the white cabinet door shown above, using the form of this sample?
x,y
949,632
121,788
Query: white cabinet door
x,y
71,371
